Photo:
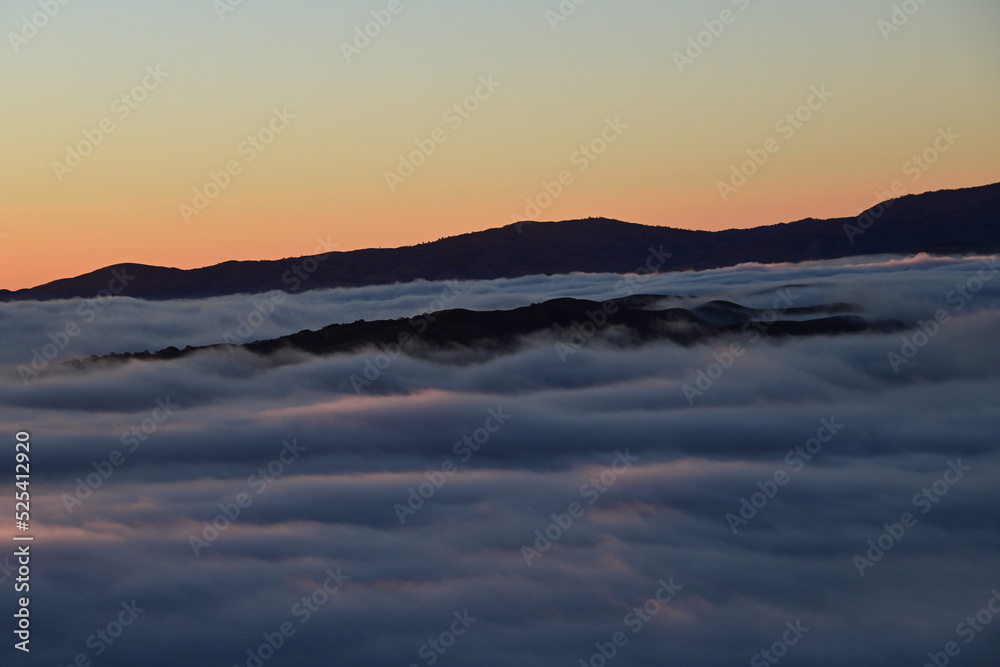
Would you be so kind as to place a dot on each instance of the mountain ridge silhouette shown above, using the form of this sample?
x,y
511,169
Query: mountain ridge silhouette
x,y
942,222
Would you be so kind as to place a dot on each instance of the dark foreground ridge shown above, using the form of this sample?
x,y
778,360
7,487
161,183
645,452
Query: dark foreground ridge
x,y
570,322
950,221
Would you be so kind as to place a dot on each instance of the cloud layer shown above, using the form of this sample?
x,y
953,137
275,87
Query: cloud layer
x,y
423,492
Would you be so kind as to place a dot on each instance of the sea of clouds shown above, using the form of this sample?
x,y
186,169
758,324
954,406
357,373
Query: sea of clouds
x,y
529,509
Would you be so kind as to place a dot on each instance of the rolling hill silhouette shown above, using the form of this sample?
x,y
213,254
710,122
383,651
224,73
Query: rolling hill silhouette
x,y
949,221
633,320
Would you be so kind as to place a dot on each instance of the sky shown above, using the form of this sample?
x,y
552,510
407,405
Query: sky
x,y
120,117
189,436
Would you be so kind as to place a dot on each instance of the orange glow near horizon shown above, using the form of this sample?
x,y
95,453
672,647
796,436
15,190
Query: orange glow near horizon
x,y
263,228
333,129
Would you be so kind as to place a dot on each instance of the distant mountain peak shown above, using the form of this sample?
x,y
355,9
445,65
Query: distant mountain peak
x,y
946,221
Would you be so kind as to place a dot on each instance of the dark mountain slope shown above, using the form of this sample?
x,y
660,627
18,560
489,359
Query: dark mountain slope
x,y
953,221
573,322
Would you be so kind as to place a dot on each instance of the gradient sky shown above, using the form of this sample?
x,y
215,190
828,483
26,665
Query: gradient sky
x,y
324,176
